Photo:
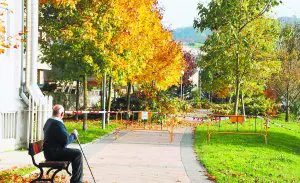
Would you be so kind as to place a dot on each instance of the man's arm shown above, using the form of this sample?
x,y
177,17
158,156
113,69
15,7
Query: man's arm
x,y
62,135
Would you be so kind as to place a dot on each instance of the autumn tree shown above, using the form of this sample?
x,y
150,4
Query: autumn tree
x,y
3,42
122,38
287,82
149,54
7,41
242,41
69,40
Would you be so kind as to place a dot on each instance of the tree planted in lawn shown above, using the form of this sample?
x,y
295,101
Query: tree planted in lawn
x,y
242,41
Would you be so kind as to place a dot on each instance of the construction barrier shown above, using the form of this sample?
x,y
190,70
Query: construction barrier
x,y
233,124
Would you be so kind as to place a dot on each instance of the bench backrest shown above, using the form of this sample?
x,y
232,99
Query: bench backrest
x,y
35,147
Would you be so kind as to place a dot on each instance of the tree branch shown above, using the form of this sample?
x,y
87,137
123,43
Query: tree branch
x,y
258,15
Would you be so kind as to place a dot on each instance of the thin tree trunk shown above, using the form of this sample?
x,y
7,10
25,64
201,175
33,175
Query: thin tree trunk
x,y
237,85
85,98
236,102
128,99
109,99
77,98
287,111
199,84
243,104
115,94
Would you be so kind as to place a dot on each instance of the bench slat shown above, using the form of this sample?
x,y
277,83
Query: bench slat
x,y
59,164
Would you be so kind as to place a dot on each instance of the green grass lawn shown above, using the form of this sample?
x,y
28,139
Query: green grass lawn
x,y
246,158
94,130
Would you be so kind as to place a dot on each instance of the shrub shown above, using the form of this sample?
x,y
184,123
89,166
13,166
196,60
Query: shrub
x,y
258,105
223,109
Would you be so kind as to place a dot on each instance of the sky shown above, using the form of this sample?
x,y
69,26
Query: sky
x,y
181,13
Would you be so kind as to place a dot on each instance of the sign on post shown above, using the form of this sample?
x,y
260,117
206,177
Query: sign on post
x,y
144,115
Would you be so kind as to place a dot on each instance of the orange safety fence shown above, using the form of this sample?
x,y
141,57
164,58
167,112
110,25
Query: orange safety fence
x,y
238,124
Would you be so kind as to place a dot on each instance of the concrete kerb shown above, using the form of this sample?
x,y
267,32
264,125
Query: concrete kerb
x,y
194,169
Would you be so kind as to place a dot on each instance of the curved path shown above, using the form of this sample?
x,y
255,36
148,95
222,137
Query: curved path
x,y
144,157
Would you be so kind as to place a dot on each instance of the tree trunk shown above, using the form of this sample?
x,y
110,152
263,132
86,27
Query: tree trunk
x,y
103,100
85,98
236,102
115,94
287,110
199,84
128,99
77,98
237,84
243,104
109,100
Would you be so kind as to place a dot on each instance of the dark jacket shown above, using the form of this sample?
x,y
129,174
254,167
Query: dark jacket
x,y
56,137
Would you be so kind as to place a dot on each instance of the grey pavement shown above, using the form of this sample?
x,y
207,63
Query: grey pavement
x,y
14,159
136,156
147,156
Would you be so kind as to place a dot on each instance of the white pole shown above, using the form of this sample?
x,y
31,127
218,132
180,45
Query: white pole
x,y
34,40
28,43
0,126
28,121
104,100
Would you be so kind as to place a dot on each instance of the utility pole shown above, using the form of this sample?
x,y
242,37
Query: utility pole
x,y
103,100
181,86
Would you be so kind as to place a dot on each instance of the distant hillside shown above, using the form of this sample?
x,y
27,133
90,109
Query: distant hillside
x,y
189,35
289,20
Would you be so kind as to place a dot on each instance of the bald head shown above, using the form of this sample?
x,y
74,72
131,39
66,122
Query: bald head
x,y
58,111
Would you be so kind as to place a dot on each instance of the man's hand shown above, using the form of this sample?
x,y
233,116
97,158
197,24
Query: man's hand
x,y
75,133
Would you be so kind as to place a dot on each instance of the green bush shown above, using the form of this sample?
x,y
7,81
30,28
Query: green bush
x,y
258,105
223,109
206,104
173,105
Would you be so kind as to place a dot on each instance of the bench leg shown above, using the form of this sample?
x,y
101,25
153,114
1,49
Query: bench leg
x,y
67,169
40,176
54,174
49,171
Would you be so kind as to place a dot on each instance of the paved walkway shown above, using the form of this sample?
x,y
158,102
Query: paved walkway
x,y
14,159
136,157
147,156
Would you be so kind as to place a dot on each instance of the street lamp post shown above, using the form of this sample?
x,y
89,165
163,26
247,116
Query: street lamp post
x,y
181,87
199,82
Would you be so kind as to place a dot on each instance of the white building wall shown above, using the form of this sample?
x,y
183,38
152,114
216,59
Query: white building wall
x,y
10,75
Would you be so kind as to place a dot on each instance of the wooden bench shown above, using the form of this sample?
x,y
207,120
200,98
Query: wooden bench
x,y
36,148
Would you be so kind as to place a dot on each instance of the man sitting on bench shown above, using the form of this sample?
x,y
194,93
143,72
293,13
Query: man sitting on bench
x,y
56,139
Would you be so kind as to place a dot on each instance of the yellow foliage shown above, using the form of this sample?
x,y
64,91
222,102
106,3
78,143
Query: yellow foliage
x,y
130,38
71,3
